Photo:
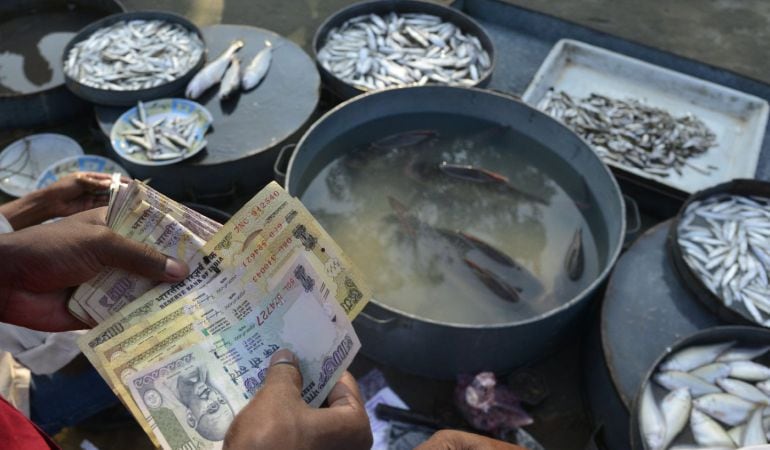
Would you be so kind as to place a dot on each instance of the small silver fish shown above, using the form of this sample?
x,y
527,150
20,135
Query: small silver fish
x,y
742,353
676,407
754,433
675,380
651,421
231,80
695,356
712,372
707,432
256,70
726,408
213,72
744,390
749,370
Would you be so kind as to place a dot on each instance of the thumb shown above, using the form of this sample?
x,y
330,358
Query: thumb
x,y
284,376
141,259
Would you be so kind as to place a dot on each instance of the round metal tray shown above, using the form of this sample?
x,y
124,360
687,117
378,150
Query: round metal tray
x,y
646,308
744,336
462,21
126,98
734,313
248,129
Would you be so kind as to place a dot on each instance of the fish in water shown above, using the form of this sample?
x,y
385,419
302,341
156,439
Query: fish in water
x,y
404,139
404,218
472,173
213,72
574,262
410,224
483,176
256,70
488,250
232,79
495,283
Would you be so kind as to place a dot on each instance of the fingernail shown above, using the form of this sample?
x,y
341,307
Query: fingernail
x,y
284,356
175,269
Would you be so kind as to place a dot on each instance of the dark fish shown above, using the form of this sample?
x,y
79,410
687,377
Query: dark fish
x,y
574,261
494,283
406,221
404,139
471,173
488,250
484,176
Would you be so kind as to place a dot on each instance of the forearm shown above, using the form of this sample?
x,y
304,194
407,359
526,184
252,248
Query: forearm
x,y
26,211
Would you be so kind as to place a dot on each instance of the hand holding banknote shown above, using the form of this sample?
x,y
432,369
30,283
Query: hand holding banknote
x,y
277,417
72,194
46,260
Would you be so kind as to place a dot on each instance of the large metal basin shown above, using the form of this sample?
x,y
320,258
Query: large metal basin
x,y
441,350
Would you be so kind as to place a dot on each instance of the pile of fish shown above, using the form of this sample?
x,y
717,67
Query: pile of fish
x,y
375,52
725,240
164,139
718,389
135,54
226,71
630,133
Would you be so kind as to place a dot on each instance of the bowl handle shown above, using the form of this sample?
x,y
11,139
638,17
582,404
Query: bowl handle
x,y
279,167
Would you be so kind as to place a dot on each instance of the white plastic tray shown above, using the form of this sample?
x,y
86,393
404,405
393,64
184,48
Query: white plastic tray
x,y
737,119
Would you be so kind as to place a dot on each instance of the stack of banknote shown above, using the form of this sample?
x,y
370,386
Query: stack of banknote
x,y
186,357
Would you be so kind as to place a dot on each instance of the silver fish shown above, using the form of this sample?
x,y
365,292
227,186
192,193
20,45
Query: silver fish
x,y
726,408
712,372
398,50
754,433
256,70
707,432
135,54
749,370
675,380
695,356
743,390
676,410
651,421
231,80
213,72
633,134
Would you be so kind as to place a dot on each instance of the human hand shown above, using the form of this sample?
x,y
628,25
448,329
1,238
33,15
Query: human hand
x,y
460,440
72,194
278,417
43,262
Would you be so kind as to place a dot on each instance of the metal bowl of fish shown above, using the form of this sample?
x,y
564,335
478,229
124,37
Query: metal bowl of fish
x,y
161,132
720,246
381,44
479,222
709,390
125,58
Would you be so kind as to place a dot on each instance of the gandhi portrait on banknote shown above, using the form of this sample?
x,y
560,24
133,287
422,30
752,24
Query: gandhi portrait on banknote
x,y
208,411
